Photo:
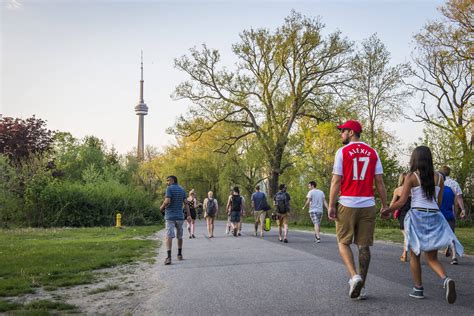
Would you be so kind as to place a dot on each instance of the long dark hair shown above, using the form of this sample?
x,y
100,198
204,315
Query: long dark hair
x,y
422,161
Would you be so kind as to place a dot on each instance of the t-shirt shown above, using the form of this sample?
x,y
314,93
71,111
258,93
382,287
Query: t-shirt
x,y
316,201
357,163
257,199
174,211
449,182
447,204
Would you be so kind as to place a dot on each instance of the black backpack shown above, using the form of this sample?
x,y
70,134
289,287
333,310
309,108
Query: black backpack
x,y
281,202
236,203
211,207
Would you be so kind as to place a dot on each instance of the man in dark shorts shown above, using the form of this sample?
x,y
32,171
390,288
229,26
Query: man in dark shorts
x,y
235,208
173,208
356,166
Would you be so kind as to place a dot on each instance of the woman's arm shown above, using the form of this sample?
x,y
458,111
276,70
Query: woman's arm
x,y
404,195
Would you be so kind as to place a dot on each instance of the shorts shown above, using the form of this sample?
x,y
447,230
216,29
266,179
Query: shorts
x,y
282,218
355,225
260,216
209,216
193,213
235,217
452,224
316,217
171,226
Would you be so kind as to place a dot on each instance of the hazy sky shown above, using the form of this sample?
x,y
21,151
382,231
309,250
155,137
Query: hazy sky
x,y
76,63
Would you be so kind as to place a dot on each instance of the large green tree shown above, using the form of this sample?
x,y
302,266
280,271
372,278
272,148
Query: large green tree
x,y
443,69
280,77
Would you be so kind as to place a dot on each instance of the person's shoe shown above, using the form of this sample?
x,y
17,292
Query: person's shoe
x,y
190,236
450,288
280,239
193,236
362,295
180,257
285,241
416,293
355,285
167,261
239,234
454,261
318,240
447,252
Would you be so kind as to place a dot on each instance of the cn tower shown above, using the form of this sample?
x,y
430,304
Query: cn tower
x,y
141,110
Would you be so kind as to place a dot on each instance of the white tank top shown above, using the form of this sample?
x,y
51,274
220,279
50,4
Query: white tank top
x,y
419,199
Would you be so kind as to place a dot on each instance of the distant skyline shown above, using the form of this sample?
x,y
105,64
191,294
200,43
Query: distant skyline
x,y
76,64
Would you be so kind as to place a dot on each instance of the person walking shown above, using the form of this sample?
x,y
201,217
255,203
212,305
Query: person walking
x,y
282,204
452,194
356,166
172,206
426,228
235,208
402,212
211,208
192,203
260,208
316,200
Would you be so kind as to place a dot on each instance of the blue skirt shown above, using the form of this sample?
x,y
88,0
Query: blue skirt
x,y
429,231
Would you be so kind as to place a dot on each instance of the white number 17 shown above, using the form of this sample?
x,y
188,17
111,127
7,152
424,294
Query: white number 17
x,y
356,176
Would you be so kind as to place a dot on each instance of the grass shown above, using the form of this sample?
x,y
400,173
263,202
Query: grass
x,y
464,234
107,288
40,307
52,258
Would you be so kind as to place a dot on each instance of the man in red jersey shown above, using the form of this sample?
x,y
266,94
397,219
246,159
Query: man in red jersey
x,y
355,167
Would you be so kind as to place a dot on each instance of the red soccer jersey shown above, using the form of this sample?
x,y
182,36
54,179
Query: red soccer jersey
x,y
357,163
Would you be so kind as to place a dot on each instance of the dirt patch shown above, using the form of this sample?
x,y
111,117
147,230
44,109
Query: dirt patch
x,y
119,290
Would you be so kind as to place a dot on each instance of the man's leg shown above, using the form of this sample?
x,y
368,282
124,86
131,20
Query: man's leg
x,y
262,223
364,262
179,235
212,226
348,258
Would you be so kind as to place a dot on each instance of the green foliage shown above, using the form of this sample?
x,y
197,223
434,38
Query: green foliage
x,y
65,203
52,258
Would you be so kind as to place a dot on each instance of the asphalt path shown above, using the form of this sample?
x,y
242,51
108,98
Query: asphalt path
x,y
249,275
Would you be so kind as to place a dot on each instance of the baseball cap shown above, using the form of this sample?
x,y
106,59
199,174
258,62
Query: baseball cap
x,y
351,124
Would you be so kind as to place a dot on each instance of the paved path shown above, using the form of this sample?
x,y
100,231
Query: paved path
x,y
252,276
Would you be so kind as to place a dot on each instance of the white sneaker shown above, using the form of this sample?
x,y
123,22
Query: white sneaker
x,y
363,294
355,285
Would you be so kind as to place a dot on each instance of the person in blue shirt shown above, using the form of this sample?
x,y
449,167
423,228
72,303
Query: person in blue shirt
x,y
447,208
172,207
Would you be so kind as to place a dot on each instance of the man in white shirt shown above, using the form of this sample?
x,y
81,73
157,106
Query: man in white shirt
x,y
315,199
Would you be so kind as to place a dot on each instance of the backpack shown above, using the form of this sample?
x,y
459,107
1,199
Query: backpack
x,y
211,207
236,203
281,202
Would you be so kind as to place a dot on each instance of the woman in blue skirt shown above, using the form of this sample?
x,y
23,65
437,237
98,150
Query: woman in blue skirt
x,y
426,228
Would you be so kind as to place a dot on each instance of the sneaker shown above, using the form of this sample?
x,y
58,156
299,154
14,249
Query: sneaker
x,y
193,236
355,285
450,288
190,236
239,234
447,252
285,241
180,257
167,261
318,240
454,261
416,293
279,238
362,295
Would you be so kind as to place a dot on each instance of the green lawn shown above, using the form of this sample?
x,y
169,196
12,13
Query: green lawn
x,y
51,258
464,234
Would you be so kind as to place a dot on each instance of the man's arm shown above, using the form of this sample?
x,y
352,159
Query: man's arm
x,y
334,191
381,189
165,204
461,205
308,200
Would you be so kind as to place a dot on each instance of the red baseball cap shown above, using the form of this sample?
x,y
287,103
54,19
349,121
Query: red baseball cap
x,y
351,124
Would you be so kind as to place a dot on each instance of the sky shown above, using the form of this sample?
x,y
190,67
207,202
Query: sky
x,y
76,64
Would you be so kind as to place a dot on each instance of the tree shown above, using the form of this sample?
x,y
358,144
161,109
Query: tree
x,y
377,88
280,78
443,60
19,139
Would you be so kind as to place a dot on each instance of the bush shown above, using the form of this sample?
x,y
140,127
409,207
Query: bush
x,y
73,204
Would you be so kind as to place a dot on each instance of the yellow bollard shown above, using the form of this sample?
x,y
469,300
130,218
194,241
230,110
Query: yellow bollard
x,y
118,220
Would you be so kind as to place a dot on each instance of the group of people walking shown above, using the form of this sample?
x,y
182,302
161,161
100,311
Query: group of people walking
x,y
418,200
